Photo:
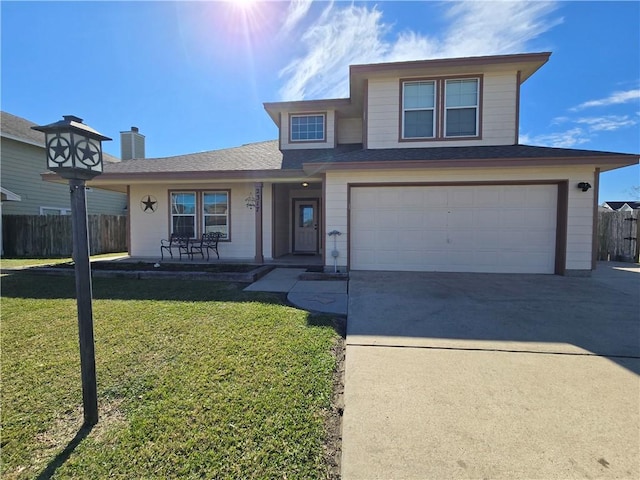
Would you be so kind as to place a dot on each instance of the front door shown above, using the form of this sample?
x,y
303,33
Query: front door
x,y
305,226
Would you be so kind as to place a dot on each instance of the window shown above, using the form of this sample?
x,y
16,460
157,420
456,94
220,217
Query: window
x,y
418,104
183,213
440,108
461,108
215,207
198,212
306,128
54,211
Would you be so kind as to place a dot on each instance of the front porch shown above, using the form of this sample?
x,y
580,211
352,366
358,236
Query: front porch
x,y
312,262
296,220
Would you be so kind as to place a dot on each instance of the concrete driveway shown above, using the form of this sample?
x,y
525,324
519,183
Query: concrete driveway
x,y
492,376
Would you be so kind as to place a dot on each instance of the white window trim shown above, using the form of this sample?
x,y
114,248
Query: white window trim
x,y
61,210
433,109
446,109
303,115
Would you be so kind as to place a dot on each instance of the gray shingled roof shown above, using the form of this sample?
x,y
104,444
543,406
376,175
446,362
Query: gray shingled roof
x,y
266,156
254,156
465,153
20,128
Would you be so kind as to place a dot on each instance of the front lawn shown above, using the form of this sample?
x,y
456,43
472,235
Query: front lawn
x,y
196,379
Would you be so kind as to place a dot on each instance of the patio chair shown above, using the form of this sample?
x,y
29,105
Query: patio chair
x,y
177,241
208,241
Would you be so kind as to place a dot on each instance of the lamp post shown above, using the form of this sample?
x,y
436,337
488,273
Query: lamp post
x,y
74,151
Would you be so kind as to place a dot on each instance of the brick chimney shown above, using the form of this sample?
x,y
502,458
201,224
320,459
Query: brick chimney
x,y
131,144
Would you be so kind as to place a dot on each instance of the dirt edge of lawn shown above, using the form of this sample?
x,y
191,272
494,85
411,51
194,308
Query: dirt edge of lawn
x,y
333,421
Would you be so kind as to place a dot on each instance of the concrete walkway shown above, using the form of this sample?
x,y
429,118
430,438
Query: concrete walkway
x,y
492,376
324,296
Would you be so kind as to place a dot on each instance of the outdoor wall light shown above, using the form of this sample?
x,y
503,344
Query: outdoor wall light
x,y
253,200
305,184
584,186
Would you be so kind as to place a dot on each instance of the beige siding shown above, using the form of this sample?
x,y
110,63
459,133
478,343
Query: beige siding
x,y
349,130
147,229
22,165
498,114
580,221
383,113
330,133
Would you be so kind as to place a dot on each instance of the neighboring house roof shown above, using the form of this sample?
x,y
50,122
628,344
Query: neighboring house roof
x,y
634,205
266,156
19,129
8,195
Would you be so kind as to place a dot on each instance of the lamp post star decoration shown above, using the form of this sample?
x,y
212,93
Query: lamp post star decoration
x,y
74,151
89,153
59,150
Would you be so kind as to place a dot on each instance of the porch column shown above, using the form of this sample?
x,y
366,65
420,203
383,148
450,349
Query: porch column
x,y
259,258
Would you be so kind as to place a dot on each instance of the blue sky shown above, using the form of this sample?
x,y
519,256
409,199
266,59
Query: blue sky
x,y
193,75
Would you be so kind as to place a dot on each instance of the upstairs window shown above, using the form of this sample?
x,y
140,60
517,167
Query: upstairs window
x,y
418,105
440,108
461,108
307,128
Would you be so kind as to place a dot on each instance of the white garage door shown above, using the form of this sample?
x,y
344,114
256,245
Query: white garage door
x,y
497,229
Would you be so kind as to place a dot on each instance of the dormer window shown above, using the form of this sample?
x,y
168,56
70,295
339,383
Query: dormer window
x,y
441,108
308,127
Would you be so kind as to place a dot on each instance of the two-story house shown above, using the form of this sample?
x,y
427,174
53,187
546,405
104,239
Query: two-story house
x,y
418,169
22,154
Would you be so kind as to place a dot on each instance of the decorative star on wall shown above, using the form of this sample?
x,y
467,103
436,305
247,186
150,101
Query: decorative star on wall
x,y
149,204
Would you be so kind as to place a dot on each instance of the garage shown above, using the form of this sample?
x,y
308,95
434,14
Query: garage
x,y
444,228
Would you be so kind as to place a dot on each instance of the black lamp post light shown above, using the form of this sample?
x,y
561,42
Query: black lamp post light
x,y
74,151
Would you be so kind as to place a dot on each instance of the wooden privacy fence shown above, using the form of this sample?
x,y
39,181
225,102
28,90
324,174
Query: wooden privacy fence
x,y
51,235
618,236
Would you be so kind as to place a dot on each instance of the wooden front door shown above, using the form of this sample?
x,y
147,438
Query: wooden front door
x,y
305,225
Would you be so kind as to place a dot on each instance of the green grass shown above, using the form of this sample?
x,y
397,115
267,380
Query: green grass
x,y
34,262
195,380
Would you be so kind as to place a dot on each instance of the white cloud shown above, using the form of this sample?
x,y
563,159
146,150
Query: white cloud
x,y
297,11
567,139
346,35
587,127
615,98
607,123
340,37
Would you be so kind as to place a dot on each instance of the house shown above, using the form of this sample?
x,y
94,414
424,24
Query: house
x,y
22,155
418,169
628,206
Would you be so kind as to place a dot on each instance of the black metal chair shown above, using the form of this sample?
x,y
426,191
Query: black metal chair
x,y
177,241
208,241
